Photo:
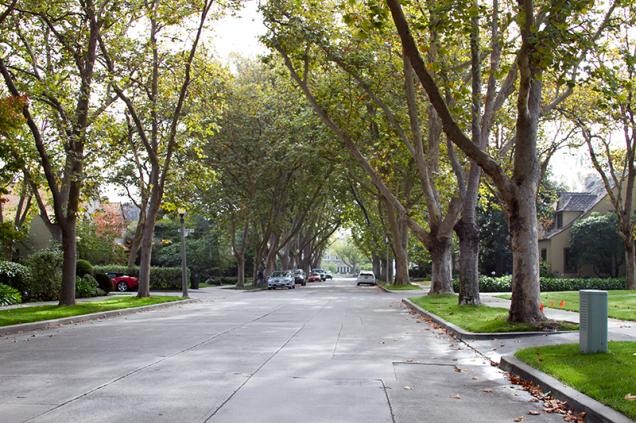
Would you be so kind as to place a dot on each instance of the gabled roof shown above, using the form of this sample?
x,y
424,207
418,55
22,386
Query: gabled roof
x,y
578,202
575,201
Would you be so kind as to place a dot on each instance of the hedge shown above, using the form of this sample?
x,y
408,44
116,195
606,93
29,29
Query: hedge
x,y
9,295
160,277
502,284
15,275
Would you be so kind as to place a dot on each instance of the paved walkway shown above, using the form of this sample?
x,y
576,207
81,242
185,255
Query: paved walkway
x,y
328,352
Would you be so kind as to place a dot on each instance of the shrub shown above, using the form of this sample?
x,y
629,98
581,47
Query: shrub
x,y
9,295
502,284
160,277
86,286
46,275
15,275
104,282
83,267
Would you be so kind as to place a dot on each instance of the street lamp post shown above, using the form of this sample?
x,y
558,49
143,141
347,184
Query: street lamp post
x,y
386,270
184,269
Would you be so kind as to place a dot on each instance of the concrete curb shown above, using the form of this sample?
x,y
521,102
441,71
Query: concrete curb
x,y
383,288
595,411
460,333
48,324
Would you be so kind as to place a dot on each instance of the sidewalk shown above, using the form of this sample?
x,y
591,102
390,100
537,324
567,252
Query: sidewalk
x,y
618,330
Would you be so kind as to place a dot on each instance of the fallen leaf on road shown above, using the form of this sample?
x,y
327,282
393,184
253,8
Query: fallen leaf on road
x,y
458,370
456,396
519,419
408,388
475,378
486,390
630,397
533,413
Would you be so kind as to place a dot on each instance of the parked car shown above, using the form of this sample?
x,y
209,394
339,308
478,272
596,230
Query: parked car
x,y
328,275
123,283
281,279
321,272
365,277
314,277
299,277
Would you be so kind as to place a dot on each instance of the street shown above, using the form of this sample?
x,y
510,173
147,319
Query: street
x,y
327,352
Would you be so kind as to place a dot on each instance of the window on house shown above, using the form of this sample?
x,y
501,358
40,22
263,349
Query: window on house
x,y
568,263
544,254
559,220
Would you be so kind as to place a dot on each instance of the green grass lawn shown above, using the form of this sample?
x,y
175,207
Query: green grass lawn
x,y
621,304
604,377
479,319
409,287
18,315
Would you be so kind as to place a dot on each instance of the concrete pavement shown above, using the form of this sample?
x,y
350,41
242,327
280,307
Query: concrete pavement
x,y
327,352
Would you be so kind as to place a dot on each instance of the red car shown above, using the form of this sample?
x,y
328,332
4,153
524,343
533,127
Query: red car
x,y
124,283
314,277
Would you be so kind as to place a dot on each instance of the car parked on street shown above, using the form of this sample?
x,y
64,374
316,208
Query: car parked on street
x,y
281,279
314,277
123,283
299,277
321,272
365,277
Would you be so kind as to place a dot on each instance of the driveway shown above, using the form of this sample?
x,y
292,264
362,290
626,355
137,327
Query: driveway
x,y
328,352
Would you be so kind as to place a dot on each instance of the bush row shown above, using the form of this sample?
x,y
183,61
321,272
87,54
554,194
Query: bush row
x,y
502,284
222,280
160,277
9,295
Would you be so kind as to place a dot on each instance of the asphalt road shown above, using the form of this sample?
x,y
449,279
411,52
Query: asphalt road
x,y
328,352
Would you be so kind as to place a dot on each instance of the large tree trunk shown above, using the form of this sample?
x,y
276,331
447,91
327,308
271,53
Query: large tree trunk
x,y
240,270
69,251
630,264
468,235
442,269
377,265
525,306
136,242
399,244
148,234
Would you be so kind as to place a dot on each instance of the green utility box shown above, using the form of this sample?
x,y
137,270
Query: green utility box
x,y
593,321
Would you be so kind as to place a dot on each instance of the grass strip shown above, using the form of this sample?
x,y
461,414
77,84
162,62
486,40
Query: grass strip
x,y
408,287
479,319
607,378
19,315
621,304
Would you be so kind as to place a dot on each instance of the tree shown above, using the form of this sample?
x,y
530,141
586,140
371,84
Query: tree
x,y
600,231
607,108
145,81
321,56
350,255
52,58
542,30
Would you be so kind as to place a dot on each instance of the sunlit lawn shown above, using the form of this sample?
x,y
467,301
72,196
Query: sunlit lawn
x,y
479,319
621,304
18,315
604,377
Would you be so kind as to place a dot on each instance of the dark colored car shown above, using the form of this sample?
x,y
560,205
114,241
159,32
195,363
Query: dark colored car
x,y
299,277
314,277
123,283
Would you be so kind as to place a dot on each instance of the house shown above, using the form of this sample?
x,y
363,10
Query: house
x,y
554,243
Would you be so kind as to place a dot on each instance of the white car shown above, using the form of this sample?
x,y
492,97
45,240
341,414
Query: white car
x,y
365,277
281,280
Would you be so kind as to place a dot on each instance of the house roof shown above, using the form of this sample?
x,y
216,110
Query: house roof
x,y
575,201
578,202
